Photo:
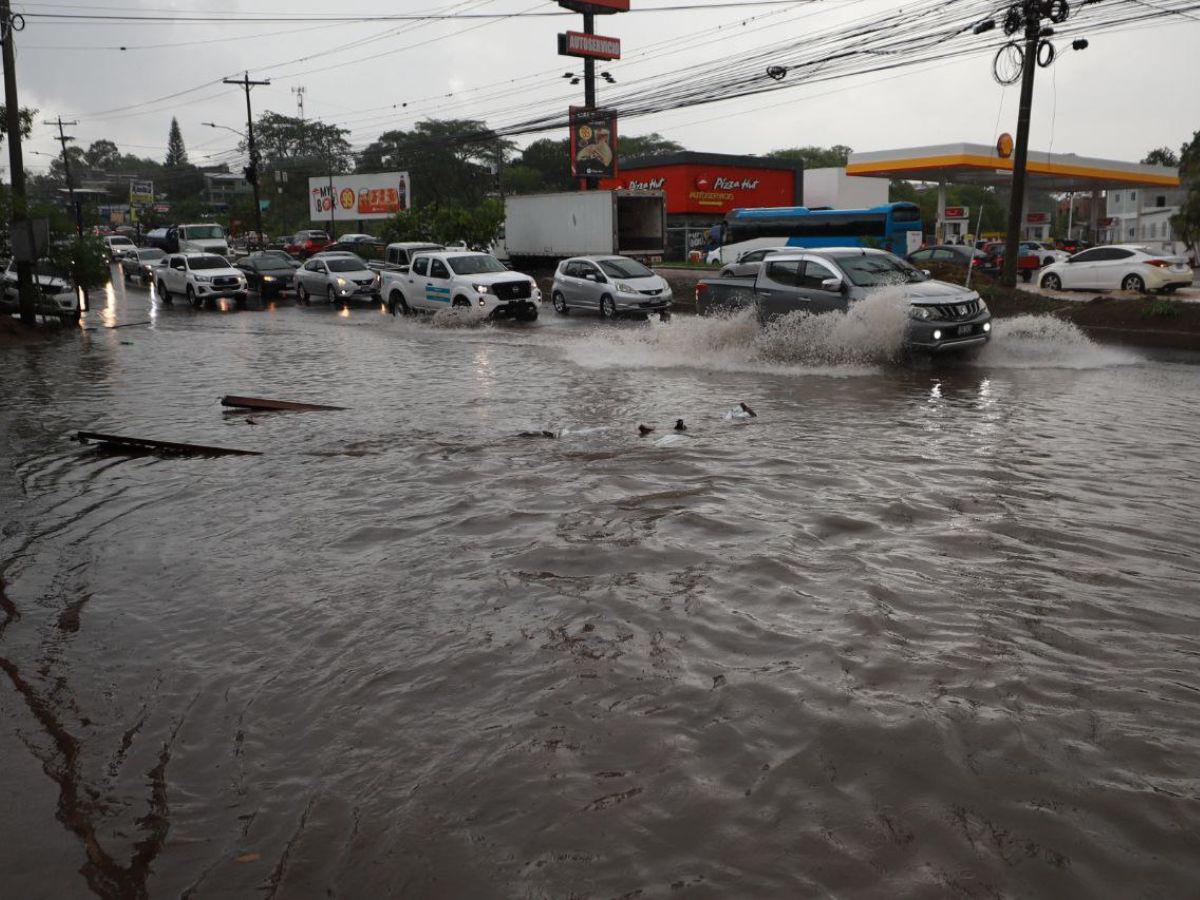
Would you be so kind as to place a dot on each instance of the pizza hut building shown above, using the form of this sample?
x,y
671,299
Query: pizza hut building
x,y
702,187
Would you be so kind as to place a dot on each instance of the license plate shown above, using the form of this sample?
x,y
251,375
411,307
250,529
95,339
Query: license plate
x,y
964,329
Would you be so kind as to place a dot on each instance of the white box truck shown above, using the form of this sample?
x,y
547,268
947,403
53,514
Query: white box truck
x,y
541,229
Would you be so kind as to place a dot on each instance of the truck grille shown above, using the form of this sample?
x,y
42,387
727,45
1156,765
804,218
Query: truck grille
x,y
955,311
513,290
364,282
225,281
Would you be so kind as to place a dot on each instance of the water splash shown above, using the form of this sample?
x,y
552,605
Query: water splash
x,y
459,317
1038,342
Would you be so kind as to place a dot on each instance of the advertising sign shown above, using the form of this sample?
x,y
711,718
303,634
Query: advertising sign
x,y
599,7
593,142
355,197
597,46
711,188
956,213
141,193
1037,218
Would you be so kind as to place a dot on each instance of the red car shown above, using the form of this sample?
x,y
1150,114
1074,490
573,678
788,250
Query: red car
x,y
305,243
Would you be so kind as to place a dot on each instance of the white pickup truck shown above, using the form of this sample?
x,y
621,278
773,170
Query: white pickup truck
x,y
461,279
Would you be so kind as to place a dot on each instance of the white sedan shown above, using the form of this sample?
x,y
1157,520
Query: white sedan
x,y
1125,267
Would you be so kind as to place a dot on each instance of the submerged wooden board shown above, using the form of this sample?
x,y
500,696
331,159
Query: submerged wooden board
x,y
149,445
260,403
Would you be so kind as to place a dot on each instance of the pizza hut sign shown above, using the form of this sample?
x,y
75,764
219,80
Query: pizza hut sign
x,y
650,184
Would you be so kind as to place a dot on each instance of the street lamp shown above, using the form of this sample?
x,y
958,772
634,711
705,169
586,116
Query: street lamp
x,y
240,134
251,173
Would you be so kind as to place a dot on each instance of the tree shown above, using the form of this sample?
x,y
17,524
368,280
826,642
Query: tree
x,y
1161,156
1186,222
286,141
653,144
176,151
450,161
477,225
834,157
26,118
102,154
76,157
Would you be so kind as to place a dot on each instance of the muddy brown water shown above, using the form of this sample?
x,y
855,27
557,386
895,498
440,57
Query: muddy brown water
x,y
917,630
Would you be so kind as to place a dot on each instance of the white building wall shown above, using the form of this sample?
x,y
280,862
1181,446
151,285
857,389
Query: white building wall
x,y
1144,217
832,187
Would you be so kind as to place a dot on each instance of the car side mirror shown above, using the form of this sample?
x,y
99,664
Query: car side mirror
x,y
833,285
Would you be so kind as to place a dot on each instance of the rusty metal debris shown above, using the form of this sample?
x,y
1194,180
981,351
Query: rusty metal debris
x,y
148,445
260,403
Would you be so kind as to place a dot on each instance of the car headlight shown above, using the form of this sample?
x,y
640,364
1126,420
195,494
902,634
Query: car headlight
x,y
341,282
482,288
920,312
623,288
268,278
982,306
204,278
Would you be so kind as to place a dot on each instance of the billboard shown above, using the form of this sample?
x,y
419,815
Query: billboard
x,y
597,7
593,142
711,188
358,197
141,192
597,46
955,213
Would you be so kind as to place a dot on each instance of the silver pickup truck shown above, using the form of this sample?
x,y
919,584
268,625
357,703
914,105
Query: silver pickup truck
x,y
942,316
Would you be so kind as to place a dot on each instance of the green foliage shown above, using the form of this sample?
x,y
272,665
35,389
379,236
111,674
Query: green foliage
x,y
652,144
102,154
1187,221
1161,156
477,225
287,142
815,157
994,203
26,121
176,151
1160,309
450,161
84,258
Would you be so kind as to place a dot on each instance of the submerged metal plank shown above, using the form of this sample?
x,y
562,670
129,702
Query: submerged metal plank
x,y
149,445
260,403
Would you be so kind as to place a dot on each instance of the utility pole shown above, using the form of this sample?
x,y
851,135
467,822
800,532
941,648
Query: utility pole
x,y
1016,203
299,92
20,210
62,139
589,85
252,169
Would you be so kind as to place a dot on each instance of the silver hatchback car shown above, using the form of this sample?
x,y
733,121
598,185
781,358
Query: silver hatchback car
x,y
336,278
610,285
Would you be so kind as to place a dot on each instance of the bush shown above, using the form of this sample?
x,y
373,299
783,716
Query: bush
x,y
478,226
1165,309
84,258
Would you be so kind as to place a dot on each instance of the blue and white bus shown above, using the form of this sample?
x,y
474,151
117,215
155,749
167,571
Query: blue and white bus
x,y
886,227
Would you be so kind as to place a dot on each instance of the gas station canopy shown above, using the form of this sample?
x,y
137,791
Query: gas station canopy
x,y
982,165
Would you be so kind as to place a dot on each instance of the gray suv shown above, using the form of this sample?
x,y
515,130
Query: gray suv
x,y
609,285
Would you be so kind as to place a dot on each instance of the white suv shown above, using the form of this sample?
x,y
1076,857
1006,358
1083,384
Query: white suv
x,y
464,280
200,277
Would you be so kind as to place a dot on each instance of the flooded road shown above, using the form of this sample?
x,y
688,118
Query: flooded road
x,y
916,630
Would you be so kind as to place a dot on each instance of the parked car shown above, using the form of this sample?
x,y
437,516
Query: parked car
x,y
267,273
747,263
117,245
993,265
958,255
400,254
199,277
610,286
141,264
461,279
1047,254
351,238
1126,267
56,294
942,316
1072,245
306,243
281,255
370,250
337,278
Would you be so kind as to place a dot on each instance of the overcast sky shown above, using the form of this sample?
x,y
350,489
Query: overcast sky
x,y
1129,92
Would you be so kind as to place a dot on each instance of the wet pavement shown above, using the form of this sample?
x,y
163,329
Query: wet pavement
x,y
916,630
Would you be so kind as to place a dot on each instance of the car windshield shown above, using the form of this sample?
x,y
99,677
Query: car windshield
x,y
121,240
153,253
345,264
625,268
271,263
474,265
874,269
196,263
312,236
202,232
47,269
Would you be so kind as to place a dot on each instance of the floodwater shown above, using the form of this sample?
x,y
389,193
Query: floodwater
x,y
916,630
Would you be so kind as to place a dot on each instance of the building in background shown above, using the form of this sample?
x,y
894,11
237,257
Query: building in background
x,y
223,188
1143,216
702,187
832,188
